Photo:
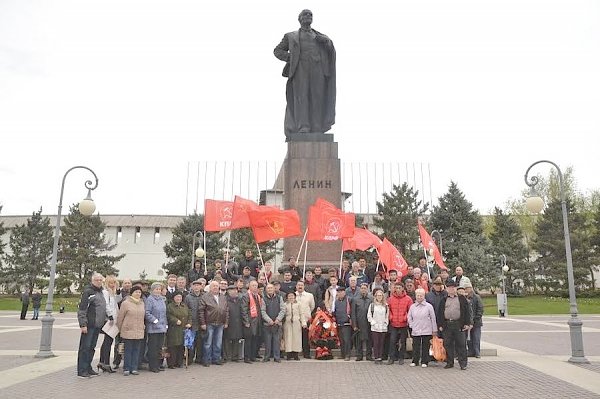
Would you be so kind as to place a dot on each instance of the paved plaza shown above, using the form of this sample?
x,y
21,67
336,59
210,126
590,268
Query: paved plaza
x,y
530,363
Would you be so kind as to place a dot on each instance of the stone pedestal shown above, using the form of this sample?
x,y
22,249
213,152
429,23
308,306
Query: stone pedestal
x,y
311,170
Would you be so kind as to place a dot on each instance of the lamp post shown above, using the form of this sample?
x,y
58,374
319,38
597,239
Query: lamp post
x,y
535,205
503,300
505,269
197,252
86,208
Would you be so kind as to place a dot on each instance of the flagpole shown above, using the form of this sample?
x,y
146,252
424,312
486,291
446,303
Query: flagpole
x,y
260,256
204,238
227,250
301,245
429,264
341,260
304,268
378,260
275,268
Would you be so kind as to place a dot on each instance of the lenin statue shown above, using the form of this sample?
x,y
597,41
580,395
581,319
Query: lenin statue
x,y
310,68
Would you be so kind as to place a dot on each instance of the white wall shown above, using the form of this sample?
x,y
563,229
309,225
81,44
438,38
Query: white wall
x,y
143,252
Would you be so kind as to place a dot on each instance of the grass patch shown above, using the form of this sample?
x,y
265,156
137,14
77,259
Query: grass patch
x,y
13,303
534,304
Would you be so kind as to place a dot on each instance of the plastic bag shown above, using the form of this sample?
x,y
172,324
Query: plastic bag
x,y
437,347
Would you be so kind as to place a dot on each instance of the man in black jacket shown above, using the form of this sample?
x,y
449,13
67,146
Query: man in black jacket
x,y
192,301
24,303
476,304
250,262
287,285
273,311
235,331
91,317
196,273
251,317
360,323
437,293
453,319
294,270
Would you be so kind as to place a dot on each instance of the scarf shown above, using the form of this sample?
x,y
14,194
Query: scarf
x,y
253,309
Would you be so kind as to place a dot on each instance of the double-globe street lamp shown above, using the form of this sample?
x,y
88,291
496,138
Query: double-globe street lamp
x,y
535,204
86,208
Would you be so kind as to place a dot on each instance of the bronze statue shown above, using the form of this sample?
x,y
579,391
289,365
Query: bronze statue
x,y
310,69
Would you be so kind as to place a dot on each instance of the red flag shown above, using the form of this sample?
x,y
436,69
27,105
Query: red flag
x,y
429,245
392,258
362,240
328,223
269,223
321,203
241,206
217,215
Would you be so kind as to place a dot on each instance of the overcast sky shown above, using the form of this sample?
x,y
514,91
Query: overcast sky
x,y
136,89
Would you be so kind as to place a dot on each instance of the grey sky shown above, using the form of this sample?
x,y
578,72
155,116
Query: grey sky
x,y
135,89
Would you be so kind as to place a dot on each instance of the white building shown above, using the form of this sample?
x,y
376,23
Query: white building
x,y
140,237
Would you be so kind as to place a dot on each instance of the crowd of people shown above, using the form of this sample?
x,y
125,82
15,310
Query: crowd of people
x,y
226,314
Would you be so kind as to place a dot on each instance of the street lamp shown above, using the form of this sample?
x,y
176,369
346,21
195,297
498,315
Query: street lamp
x,y
198,252
501,298
86,208
505,269
575,323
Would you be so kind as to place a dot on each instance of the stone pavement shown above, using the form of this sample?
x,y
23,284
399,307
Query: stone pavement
x,y
531,363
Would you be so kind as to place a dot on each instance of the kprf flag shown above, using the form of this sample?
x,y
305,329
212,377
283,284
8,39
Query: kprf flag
x,y
429,245
241,206
217,215
392,258
328,223
269,223
362,240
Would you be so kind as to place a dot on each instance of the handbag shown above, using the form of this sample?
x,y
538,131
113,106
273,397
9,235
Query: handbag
x,y
121,348
409,344
437,348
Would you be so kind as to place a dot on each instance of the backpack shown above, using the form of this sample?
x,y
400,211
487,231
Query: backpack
x,y
372,309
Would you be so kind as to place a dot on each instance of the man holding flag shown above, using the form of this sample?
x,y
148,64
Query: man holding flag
x,y
429,246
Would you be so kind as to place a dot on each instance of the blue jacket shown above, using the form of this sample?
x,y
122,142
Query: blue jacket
x,y
156,309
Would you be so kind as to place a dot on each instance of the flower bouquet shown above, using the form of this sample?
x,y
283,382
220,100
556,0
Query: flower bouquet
x,y
322,334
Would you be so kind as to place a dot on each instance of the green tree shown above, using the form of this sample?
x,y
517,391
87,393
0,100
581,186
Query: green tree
x,y
83,250
550,245
179,249
507,239
463,241
2,243
397,216
31,249
143,275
